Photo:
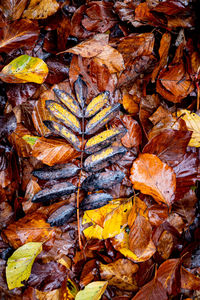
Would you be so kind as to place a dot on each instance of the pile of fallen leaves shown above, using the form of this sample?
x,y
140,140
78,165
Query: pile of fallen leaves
x,y
143,242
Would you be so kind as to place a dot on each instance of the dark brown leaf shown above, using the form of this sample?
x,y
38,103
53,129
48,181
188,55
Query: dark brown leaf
x,y
12,9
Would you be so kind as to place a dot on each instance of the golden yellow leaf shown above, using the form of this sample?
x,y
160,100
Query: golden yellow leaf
x,y
38,9
25,69
20,263
108,220
192,121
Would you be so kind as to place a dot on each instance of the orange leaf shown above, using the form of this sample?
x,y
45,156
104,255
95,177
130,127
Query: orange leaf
x,y
31,228
189,281
40,9
169,275
153,177
139,208
133,137
53,151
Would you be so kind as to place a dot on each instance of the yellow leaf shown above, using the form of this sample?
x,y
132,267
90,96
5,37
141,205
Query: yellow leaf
x,y
20,263
192,121
41,9
108,220
121,244
92,291
24,69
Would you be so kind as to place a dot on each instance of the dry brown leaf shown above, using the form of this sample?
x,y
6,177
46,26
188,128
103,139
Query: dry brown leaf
x,y
120,274
153,177
40,9
53,151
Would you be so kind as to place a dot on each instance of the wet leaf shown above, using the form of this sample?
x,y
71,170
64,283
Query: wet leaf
x,y
189,281
92,291
103,158
19,34
169,276
102,118
25,69
55,192
153,290
192,121
51,151
63,115
20,263
31,228
96,104
61,215
13,9
103,139
93,201
120,273
140,236
40,9
153,177
8,124
133,137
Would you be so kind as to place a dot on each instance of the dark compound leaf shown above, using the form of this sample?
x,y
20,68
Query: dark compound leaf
x,y
104,139
61,215
55,192
102,118
64,132
56,172
63,115
103,158
96,104
69,101
94,201
80,88
102,180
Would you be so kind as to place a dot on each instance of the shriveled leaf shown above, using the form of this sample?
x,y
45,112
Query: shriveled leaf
x,y
102,118
192,121
20,263
103,158
102,180
169,275
96,104
189,281
153,177
53,151
92,291
103,139
153,290
20,34
31,228
25,69
64,132
55,192
120,274
69,101
63,115
40,9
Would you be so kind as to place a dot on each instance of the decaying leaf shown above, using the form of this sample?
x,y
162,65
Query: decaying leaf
x,y
153,177
40,9
20,263
120,273
25,69
92,291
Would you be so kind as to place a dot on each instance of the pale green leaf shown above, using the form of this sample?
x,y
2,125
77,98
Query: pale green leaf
x,y
92,291
20,263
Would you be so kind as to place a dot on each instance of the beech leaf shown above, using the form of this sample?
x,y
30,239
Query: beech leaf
x,y
20,263
25,69
192,121
92,291
153,177
40,9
